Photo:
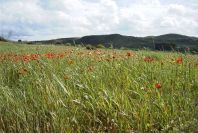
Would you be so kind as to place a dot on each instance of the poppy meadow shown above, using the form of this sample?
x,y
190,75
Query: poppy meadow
x,y
47,88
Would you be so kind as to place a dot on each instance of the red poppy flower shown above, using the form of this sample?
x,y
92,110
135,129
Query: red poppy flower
x,y
179,60
49,55
34,56
26,58
148,59
60,55
158,86
129,54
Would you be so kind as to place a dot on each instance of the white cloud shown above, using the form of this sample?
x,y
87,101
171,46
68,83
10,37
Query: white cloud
x,y
65,18
177,9
180,19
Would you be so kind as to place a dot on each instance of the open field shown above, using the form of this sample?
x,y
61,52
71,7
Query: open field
x,y
71,89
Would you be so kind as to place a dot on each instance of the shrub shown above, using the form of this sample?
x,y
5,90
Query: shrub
x,y
124,48
57,42
68,44
111,46
165,46
90,47
100,46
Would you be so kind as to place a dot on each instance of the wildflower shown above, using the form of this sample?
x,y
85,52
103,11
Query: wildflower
x,y
179,60
25,58
49,55
60,55
148,59
34,56
158,86
129,54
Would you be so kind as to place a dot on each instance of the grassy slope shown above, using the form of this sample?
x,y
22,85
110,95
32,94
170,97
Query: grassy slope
x,y
103,90
119,41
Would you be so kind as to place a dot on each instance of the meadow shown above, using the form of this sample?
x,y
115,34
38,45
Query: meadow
x,y
46,88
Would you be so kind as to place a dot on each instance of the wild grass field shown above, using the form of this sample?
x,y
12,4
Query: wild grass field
x,y
71,89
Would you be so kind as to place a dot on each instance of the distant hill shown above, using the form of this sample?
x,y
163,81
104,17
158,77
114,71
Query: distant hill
x,y
3,39
118,41
58,41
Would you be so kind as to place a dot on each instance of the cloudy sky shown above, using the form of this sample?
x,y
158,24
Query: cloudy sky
x,y
47,19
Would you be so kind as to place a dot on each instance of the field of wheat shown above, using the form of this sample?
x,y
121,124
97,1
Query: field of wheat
x,y
71,89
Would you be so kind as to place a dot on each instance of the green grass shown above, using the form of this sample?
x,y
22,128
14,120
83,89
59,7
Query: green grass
x,y
96,91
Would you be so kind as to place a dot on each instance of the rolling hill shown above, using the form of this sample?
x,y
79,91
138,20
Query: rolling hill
x,y
119,41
